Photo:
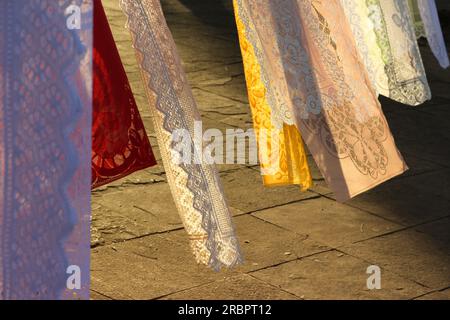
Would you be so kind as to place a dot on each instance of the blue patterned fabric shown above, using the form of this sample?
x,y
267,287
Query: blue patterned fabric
x,y
45,145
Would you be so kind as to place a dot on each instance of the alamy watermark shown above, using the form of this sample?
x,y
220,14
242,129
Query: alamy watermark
x,y
235,146
374,280
73,20
73,281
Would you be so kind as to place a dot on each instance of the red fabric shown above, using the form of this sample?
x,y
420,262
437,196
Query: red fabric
x,y
120,144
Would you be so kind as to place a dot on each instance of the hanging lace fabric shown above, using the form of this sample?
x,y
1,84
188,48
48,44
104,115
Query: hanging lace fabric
x,y
385,37
120,144
308,49
427,25
358,14
419,28
45,148
282,155
195,185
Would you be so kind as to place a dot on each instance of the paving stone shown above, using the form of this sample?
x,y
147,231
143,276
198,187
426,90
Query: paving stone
x,y
440,89
413,254
134,211
213,53
109,226
210,121
327,221
241,287
212,13
233,89
333,275
240,150
241,121
218,76
438,229
407,201
436,183
160,262
97,296
174,7
210,102
264,244
419,166
438,107
158,169
245,191
160,265
422,135
436,295
141,177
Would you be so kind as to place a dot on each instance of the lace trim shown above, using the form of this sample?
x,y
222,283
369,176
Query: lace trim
x,y
419,30
432,30
412,89
362,28
196,188
280,112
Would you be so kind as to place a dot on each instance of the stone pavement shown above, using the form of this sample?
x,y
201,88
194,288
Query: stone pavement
x,y
296,245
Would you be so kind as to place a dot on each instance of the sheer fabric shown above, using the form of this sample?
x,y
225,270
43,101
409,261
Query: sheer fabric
x,y
419,28
45,144
315,69
385,37
120,143
426,22
358,13
281,152
195,187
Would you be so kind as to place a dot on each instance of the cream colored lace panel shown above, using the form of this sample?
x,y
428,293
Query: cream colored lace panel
x,y
195,187
385,37
426,22
407,82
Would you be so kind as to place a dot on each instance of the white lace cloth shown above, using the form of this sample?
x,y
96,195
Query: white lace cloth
x,y
386,40
276,91
433,31
196,188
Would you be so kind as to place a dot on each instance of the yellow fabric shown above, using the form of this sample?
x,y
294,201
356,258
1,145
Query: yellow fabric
x,y
291,161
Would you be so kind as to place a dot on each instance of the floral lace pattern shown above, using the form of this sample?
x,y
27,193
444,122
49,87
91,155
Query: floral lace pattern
x,y
279,111
120,144
357,13
44,148
195,187
393,26
289,164
312,58
419,28
384,34
425,14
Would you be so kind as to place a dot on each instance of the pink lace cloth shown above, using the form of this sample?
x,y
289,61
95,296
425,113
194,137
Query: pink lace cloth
x,y
308,50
